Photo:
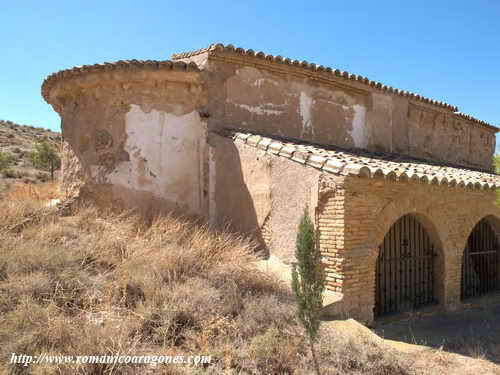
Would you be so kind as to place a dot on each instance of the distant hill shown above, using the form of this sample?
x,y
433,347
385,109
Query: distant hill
x,y
19,141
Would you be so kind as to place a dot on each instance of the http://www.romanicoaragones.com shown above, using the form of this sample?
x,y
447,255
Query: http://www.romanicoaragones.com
x,y
26,360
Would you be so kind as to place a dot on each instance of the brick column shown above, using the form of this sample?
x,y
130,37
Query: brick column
x,y
452,278
359,283
330,227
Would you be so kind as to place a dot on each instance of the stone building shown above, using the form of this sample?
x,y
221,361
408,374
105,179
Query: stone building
x,y
401,187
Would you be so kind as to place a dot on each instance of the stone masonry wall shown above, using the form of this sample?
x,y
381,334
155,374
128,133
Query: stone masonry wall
x,y
72,176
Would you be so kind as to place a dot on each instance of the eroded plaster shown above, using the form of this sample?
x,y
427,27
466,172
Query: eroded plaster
x,y
165,156
261,109
306,103
358,132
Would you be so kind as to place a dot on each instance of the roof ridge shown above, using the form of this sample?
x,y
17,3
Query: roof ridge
x,y
277,59
363,165
474,119
51,79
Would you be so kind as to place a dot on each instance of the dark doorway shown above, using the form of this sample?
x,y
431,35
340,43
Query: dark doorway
x,y
480,261
405,268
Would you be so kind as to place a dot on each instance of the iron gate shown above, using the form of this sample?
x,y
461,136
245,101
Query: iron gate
x,y
405,268
480,262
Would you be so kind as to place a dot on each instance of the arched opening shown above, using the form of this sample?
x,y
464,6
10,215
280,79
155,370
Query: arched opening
x,y
406,268
480,261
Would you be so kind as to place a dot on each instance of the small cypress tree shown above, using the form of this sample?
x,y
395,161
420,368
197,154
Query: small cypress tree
x,y
308,281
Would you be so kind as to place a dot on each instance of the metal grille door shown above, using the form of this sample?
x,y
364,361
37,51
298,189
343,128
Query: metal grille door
x,y
405,268
480,262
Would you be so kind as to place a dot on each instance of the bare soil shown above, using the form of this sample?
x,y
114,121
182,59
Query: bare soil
x,y
473,330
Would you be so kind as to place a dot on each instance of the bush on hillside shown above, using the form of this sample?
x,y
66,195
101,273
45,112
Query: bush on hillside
x,y
6,160
45,157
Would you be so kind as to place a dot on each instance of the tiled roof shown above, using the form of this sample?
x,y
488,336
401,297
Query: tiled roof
x,y
115,66
475,120
319,69
367,164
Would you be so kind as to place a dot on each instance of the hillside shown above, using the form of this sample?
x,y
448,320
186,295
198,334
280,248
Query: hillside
x,y
103,283
18,141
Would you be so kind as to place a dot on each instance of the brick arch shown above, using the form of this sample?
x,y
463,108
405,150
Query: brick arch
x,y
472,218
493,219
392,212
430,217
449,227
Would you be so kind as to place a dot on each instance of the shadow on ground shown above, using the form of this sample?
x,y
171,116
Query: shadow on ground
x,y
474,330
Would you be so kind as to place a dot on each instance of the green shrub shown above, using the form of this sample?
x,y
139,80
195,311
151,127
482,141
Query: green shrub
x,y
6,160
45,157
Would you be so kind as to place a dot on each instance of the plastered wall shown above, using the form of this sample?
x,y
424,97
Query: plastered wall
x,y
262,195
137,147
277,100
165,157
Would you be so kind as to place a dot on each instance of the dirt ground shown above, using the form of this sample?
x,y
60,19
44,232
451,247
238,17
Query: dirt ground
x,y
473,330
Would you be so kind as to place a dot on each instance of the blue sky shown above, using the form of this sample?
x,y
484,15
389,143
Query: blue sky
x,y
446,50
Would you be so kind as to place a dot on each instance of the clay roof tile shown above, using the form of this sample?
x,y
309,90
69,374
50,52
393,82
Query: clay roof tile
x,y
107,66
365,164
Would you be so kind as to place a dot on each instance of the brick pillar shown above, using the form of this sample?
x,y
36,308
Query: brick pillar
x,y
452,279
330,228
359,283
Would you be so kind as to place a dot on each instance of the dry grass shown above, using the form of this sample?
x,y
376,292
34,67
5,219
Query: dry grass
x,y
21,200
108,283
32,192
